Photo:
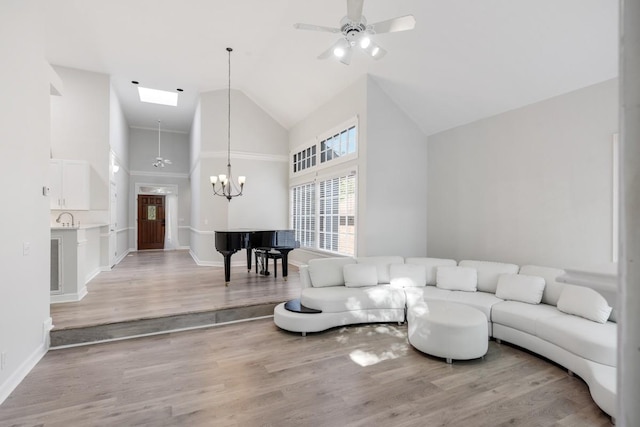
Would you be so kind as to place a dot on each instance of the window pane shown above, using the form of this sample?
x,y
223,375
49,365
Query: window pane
x,y
352,140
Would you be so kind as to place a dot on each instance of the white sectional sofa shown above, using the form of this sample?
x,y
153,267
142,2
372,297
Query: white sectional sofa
x,y
571,325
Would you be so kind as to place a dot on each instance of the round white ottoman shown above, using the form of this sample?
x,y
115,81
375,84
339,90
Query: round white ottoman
x,y
448,330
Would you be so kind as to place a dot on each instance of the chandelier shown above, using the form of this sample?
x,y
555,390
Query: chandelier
x,y
227,187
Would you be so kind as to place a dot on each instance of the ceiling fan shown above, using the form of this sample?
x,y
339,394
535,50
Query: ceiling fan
x,y
160,161
356,32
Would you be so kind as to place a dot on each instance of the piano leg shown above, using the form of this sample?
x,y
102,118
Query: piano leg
x,y
285,262
249,251
227,266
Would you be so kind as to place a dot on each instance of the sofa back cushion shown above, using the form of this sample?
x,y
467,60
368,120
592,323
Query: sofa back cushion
x,y
457,278
552,288
383,264
584,302
359,275
518,287
408,275
430,266
328,271
488,273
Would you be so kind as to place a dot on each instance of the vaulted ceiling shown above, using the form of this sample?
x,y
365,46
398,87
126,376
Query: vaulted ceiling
x,y
466,59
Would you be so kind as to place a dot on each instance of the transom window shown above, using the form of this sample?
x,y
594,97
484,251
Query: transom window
x,y
338,145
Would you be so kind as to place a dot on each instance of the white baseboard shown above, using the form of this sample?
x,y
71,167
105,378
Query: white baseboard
x,y
92,276
122,256
216,263
25,367
75,297
205,263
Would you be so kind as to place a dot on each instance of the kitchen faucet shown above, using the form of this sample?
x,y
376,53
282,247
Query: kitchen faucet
x,y
68,213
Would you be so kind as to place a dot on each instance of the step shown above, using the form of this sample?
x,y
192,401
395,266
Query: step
x,y
94,334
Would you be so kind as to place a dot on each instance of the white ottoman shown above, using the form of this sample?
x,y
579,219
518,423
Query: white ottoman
x,y
448,330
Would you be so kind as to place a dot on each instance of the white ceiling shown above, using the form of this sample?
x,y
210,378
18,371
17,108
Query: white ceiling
x,y
466,59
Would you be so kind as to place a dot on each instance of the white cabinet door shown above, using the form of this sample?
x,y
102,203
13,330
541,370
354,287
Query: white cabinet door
x,y
55,184
69,184
75,185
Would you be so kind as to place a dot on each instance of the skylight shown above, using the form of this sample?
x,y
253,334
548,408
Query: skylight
x,y
155,96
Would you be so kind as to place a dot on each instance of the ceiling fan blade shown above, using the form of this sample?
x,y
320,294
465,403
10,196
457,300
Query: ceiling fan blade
x,y
340,43
402,23
312,27
167,161
354,10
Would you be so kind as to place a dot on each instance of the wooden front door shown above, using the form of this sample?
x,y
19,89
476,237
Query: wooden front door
x,y
150,222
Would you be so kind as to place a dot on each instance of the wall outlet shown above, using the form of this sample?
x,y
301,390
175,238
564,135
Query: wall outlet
x,y
26,248
3,360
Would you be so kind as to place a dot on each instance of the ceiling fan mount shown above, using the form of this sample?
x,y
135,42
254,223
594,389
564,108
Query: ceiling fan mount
x,y
356,33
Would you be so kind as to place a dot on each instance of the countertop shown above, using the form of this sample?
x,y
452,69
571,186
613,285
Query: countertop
x,y
76,227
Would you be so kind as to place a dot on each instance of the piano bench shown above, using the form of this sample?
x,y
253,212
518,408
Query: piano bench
x,y
262,260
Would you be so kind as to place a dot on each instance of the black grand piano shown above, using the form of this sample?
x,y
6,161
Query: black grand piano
x,y
229,242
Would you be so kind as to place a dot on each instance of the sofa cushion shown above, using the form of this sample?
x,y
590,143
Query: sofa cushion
x,y
519,287
521,316
328,271
407,275
488,273
552,287
357,275
584,302
382,263
457,278
587,339
337,299
431,265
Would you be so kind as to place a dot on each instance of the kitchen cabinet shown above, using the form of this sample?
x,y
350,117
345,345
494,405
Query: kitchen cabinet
x,y
69,184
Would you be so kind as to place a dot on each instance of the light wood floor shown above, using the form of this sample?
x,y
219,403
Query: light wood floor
x,y
253,374
149,284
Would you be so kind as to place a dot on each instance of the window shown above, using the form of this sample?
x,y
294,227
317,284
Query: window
x,y
338,215
304,159
334,211
339,144
303,215
323,209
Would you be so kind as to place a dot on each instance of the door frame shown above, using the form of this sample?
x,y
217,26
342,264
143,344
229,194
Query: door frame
x,y
150,190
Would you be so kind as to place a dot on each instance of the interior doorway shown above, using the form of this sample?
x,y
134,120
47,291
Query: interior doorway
x,y
151,221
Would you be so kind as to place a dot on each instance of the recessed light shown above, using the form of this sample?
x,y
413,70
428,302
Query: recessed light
x,y
156,96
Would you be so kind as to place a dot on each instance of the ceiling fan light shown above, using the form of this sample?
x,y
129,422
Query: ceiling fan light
x,y
375,51
339,52
365,42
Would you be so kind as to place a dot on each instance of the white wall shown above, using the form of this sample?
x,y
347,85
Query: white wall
x,y
532,185
144,149
259,150
24,136
80,126
395,221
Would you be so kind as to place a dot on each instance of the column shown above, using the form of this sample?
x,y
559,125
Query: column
x,y
628,411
